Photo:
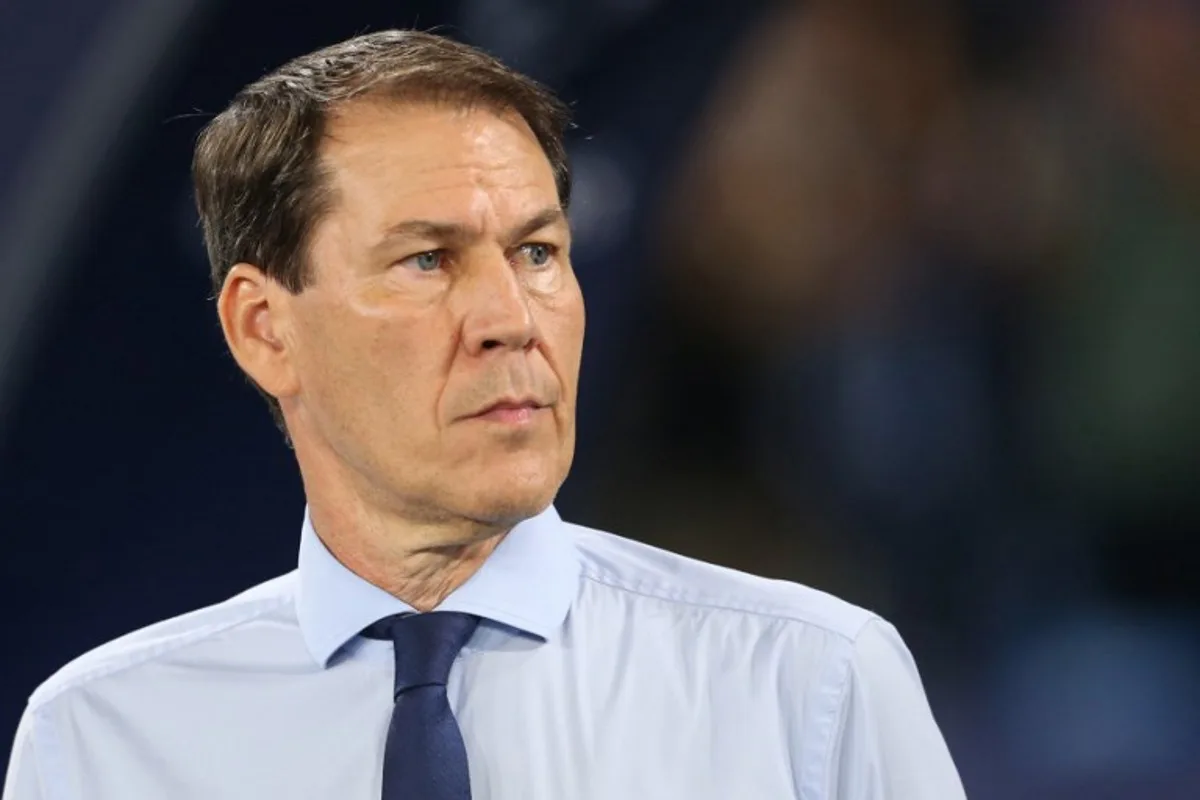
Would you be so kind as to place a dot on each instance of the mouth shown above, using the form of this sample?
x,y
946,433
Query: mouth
x,y
511,412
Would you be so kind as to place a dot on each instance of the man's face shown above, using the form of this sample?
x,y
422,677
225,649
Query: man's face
x,y
436,350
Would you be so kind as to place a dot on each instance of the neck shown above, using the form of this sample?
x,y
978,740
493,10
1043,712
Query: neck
x,y
418,558
418,563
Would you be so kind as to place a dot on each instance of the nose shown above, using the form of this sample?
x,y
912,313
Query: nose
x,y
497,311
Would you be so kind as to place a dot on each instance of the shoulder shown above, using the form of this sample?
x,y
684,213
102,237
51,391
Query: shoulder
x,y
886,733
163,639
636,569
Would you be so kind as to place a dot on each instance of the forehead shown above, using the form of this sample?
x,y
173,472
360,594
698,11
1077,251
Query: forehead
x,y
388,160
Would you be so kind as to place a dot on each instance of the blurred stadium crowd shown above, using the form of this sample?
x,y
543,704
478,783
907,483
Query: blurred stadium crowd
x,y
896,298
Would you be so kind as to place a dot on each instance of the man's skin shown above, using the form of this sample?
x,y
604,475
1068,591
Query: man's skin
x,y
439,286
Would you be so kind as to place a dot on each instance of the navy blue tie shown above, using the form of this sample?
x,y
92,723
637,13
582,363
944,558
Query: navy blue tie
x,y
425,758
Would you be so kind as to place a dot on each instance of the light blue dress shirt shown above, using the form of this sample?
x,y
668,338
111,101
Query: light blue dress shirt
x,y
604,669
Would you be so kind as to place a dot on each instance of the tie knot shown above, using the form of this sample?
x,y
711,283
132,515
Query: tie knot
x,y
425,644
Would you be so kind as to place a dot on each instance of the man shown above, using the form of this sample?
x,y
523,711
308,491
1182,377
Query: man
x,y
386,221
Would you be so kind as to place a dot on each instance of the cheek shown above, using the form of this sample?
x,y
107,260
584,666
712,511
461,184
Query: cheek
x,y
574,317
403,361
565,328
370,364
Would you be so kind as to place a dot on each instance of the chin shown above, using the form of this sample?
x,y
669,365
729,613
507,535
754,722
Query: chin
x,y
514,495
507,507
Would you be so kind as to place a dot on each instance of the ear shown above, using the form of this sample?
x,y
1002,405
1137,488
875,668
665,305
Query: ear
x,y
254,315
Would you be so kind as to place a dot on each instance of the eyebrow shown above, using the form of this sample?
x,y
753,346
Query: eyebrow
x,y
455,232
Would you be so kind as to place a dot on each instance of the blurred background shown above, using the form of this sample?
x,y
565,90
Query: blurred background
x,y
896,299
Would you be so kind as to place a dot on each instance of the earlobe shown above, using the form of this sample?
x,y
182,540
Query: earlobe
x,y
252,319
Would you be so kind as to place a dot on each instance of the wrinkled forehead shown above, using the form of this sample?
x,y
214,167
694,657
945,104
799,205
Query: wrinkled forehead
x,y
393,170
409,156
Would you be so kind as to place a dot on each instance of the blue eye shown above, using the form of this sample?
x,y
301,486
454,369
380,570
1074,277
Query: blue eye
x,y
427,261
537,254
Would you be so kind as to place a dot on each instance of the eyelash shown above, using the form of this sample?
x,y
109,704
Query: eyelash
x,y
552,251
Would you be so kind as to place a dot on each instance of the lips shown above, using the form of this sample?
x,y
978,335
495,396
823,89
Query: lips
x,y
510,405
511,410
513,413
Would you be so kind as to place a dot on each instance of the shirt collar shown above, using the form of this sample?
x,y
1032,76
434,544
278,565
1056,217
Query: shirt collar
x,y
527,583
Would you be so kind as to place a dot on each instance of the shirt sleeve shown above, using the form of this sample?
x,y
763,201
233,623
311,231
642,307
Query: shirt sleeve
x,y
890,747
23,781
